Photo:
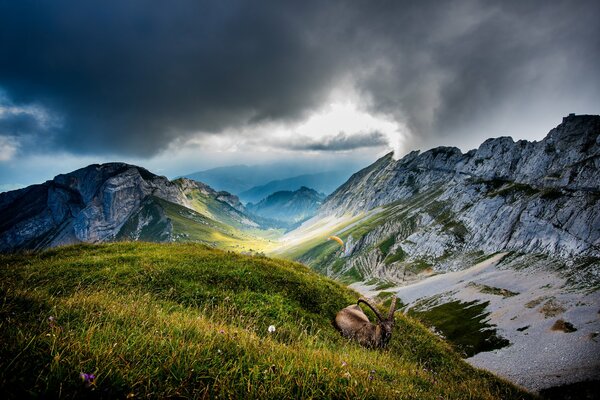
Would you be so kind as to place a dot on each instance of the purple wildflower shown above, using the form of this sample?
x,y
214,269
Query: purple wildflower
x,y
371,374
88,379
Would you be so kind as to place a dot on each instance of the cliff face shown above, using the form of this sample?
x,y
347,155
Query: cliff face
x,y
566,159
441,208
92,204
531,197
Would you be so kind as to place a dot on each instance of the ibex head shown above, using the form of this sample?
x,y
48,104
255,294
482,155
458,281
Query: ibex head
x,y
353,323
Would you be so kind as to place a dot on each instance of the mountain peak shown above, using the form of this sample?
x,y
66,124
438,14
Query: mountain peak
x,y
563,162
103,202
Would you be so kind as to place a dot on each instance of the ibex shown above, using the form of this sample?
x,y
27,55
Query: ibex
x,y
354,324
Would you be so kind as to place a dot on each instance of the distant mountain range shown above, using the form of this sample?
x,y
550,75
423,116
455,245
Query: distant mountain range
x,y
324,182
238,178
288,206
276,176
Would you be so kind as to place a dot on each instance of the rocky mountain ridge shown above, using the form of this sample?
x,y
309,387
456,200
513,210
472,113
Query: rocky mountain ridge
x,y
101,203
567,158
441,209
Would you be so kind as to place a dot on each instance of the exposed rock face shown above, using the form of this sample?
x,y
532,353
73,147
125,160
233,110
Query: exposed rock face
x,y
528,197
92,204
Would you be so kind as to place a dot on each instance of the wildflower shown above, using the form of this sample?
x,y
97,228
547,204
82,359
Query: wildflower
x,y
222,331
371,374
53,324
271,328
88,379
344,363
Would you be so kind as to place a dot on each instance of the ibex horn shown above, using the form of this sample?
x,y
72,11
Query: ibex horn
x,y
363,300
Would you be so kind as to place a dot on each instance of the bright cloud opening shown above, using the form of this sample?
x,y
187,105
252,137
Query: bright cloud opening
x,y
8,148
336,127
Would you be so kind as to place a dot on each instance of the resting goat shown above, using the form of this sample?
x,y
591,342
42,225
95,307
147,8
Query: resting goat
x,y
354,324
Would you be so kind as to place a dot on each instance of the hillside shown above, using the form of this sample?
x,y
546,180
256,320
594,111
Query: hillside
x,y
183,320
117,201
324,182
290,207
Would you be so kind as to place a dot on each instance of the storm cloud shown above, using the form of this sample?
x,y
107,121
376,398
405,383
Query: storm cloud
x,y
339,142
131,77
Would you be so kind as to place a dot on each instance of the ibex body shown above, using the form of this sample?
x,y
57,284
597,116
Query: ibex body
x,y
353,323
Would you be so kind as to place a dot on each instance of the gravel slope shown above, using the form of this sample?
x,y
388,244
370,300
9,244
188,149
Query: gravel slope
x,y
538,357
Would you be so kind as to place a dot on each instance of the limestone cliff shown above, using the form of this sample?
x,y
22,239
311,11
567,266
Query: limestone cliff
x,y
105,202
433,209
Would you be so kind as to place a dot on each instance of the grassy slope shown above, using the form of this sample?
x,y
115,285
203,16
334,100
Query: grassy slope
x,y
184,320
232,230
193,226
318,253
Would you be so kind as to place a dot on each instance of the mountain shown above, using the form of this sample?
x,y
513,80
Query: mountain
x,y
118,201
239,178
503,237
530,197
324,182
287,206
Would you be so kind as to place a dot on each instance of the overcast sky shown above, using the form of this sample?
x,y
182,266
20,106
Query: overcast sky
x,y
181,86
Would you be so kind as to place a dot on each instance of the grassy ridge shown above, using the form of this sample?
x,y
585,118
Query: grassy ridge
x,y
184,320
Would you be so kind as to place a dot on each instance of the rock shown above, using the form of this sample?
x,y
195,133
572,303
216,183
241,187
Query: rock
x,y
92,204
527,197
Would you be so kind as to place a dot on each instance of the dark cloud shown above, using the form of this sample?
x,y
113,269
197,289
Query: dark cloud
x,y
24,125
131,76
339,142
19,124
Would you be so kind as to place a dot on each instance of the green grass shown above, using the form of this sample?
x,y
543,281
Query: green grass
x,y
189,225
417,266
185,320
386,245
493,290
399,255
322,256
514,188
385,285
464,324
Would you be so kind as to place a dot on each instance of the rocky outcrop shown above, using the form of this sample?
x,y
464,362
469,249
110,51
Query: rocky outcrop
x,y
527,197
93,204
567,159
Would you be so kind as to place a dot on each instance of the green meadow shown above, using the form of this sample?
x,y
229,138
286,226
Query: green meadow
x,y
188,321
